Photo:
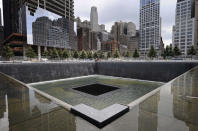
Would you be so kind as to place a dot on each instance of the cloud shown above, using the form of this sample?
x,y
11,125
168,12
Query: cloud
x,y
111,11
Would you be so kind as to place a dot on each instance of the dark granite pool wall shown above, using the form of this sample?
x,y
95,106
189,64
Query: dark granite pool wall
x,y
153,71
36,72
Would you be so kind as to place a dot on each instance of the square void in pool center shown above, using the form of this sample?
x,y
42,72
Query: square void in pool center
x,y
96,89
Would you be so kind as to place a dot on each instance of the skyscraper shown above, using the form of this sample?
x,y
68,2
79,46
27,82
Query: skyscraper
x,y
0,18
184,25
10,17
196,23
1,34
94,19
22,17
150,25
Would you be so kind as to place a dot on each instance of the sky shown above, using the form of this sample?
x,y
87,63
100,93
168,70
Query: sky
x,y
110,11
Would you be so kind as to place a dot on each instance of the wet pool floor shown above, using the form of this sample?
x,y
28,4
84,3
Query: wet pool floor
x,y
127,90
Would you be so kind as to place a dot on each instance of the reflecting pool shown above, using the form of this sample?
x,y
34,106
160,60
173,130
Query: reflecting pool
x,y
127,90
173,108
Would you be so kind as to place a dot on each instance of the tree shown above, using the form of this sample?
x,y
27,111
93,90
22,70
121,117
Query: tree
x,y
89,55
76,55
166,52
30,53
127,54
136,54
83,55
102,55
60,53
7,52
176,51
50,53
152,52
171,52
95,55
45,53
54,53
109,54
66,54
192,51
116,54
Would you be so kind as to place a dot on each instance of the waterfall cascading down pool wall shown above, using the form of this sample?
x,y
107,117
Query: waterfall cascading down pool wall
x,y
36,72
153,71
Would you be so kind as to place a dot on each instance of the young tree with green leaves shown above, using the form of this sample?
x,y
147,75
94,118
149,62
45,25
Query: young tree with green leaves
x,y
45,53
109,54
89,55
192,51
50,53
7,52
76,55
116,54
171,52
176,51
127,54
30,53
136,54
163,54
152,52
66,54
95,55
101,55
167,50
54,54
60,53
83,55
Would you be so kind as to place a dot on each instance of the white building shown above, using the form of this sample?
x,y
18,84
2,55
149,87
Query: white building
x,y
94,19
184,26
150,25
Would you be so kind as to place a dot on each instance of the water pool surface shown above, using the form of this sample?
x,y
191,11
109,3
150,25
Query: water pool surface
x,y
98,91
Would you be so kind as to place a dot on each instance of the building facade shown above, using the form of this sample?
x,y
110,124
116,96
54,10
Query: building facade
x,y
10,17
184,26
150,25
94,19
40,22
1,34
196,23
122,29
110,46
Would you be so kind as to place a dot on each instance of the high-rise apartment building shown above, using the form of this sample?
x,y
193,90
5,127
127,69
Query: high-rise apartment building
x,y
150,25
196,23
184,25
1,34
94,19
37,22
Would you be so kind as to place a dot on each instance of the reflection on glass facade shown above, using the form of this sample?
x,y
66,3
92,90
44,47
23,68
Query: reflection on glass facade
x,y
47,29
